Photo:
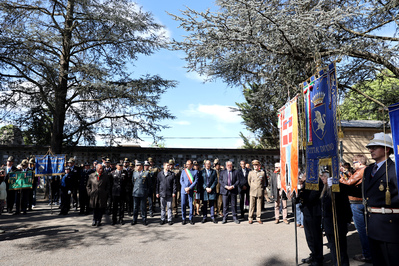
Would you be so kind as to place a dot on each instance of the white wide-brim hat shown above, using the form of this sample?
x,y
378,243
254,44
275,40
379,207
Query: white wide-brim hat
x,y
381,139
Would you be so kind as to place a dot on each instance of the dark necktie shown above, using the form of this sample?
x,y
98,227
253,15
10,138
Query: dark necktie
x,y
229,179
375,168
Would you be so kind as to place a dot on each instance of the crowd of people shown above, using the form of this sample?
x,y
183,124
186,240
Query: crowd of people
x,y
368,195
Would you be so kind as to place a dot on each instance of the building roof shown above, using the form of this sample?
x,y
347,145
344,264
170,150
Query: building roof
x,y
363,123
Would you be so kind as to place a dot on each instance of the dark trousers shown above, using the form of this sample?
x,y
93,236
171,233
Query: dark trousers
x,y
10,200
21,200
142,202
84,201
75,197
314,235
151,204
343,246
54,191
186,199
129,202
232,199
98,214
244,194
384,253
205,208
32,197
118,207
65,201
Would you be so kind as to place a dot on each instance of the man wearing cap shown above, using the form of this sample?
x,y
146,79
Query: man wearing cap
x,y
141,185
119,178
380,192
84,200
66,190
278,195
75,174
154,170
229,182
21,196
166,191
257,182
98,187
188,181
244,186
152,190
175,200
219,197
129,189
10,193
32,192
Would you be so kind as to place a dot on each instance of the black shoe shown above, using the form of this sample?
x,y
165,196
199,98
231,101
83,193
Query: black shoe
x,y
151,215
224,221
145,222
60,213
203,220
16,213
192,222
237,221
242,216
133,222
176,215
183,222
81,213
170,223
308,260
214,221
113,223
121,222
98,224
162,222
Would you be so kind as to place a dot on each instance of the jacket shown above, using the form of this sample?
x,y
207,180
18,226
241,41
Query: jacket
x,y
209,182
257,182
354,184
119,179
185,182
141,184
98,188
166,184
223,180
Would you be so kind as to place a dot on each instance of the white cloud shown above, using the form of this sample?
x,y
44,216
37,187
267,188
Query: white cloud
x,y
221,113
195,76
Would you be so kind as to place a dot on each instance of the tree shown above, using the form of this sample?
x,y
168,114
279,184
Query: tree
x,y
384,89
259,112
279,44
70,59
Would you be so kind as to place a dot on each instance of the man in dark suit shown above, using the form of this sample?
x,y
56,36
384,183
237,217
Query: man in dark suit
x,y
229,183
244,186
10,193
84,200
166,191
209,181
119,178
382,201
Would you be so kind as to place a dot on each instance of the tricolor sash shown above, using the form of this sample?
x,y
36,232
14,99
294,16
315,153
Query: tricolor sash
x,y
189,175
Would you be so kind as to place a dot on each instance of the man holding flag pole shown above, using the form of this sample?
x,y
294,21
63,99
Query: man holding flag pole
x,y
188,181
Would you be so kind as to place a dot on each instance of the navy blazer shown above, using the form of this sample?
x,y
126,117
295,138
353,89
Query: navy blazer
x,y
243,178
382,227
235,181
209,182
185,182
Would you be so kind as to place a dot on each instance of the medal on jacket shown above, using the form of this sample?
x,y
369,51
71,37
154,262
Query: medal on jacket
x,y
381,187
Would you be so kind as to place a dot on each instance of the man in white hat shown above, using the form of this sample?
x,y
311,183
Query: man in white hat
x,y
382,202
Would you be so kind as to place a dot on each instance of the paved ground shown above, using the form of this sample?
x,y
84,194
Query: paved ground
x,y
42,238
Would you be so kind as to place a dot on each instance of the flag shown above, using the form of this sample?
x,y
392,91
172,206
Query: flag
x,y
321,127
20,180
394,119
49,165
288,124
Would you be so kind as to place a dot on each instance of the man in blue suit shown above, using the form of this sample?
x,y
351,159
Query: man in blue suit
x,y
188,181
209,182
229,182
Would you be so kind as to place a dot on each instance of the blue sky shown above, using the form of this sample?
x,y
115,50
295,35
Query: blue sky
x,y
201,109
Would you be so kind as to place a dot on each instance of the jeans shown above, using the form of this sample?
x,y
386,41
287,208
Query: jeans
x,y
166,202
299,214
360,224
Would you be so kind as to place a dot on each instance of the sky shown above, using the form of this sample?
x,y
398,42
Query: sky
x,y
202,110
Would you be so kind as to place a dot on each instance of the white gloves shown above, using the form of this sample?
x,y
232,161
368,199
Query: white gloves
x,y
330,181
69,192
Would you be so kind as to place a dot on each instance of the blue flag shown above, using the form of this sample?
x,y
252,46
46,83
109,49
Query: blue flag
x,y
394,119
321,127
50,165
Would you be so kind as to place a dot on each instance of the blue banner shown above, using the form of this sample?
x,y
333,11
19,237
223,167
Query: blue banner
x,y
394,119
49,165
321,127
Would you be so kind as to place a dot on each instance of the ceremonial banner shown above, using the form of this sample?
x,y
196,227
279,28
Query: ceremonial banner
x,y
20,180
394,119
288,124
49,165
321,127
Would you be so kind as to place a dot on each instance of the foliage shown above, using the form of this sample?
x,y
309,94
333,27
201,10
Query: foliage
x,y
278,44
384,88
68,61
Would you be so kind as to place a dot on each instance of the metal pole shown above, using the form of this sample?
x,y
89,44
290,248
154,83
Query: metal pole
x,y
296,230
335,223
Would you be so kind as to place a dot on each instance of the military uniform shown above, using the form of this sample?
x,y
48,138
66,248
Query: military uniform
x,y
154,173
119,179
10,193
141,186
84,200
175,200
257,183
129,190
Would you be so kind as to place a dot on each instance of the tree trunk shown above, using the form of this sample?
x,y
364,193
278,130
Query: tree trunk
x,y
61,90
